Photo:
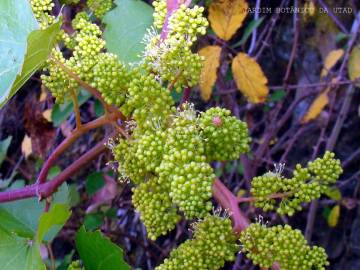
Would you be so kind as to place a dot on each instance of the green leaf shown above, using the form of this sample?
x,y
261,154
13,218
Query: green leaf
x,y
94,182
17,21
277,95
93,221
53,220
53,172
98,252
61,112
98,108
248,30
40,44
4,145
125,28
19,253
22,222
333,193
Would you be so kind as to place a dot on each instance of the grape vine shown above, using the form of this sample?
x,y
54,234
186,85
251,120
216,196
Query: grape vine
x,y
166,152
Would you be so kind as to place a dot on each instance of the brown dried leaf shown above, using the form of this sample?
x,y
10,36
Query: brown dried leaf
x,y
227,16
47,115
41,132
104,195
209,71
250,78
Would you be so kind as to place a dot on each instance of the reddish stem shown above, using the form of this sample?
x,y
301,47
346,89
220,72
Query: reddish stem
x,y
227,200
46,189
69,141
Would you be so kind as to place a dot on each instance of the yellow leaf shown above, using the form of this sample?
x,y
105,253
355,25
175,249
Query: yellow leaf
x,y
333,217
316,107
26,147
241,193
208,73
47,115
250,78
43,94
227,16
331,59
354,64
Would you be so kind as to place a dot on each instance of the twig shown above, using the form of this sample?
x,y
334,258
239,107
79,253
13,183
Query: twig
x,y
44,190
340,120
69,141
295,45
333,17
76,109
254,33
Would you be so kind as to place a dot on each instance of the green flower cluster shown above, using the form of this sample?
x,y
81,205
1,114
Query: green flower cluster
x,y
226,137
185,169
155,206
75,265
306,184
111,78
100,7
186,23
42,9
148,102
171,58
58,81
213,244
139,157
174,153
160,11
281,244
101,70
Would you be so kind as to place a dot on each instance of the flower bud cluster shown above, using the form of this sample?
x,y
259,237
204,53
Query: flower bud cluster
x,y
171,58
100,7
281,244
285,195
155,206
213,244
148,102
75,265
160,10
225,136
42,10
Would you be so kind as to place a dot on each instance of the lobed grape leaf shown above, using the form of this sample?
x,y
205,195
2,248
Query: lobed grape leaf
x,y
40,43
16,23
125,28
4,145
98,252
25,223
19,253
